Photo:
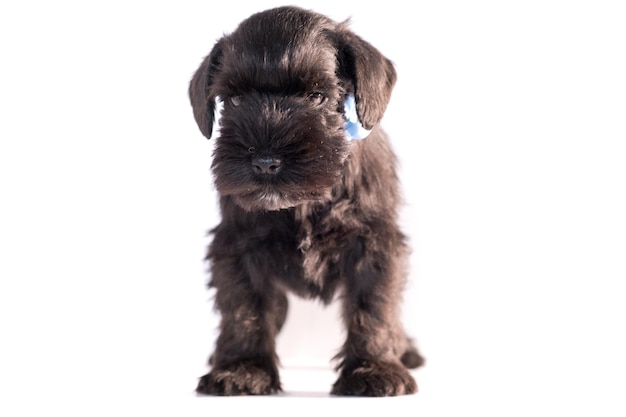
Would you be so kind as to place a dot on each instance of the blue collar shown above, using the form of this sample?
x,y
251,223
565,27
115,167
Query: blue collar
x,y
354,128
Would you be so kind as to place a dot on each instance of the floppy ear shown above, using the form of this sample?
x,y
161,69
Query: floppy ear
x,y
200,94
371,74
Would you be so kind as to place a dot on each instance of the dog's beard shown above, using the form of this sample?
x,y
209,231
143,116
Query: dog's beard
x,y
270,200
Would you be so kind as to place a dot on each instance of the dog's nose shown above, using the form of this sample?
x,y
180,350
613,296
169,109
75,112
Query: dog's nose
x,y
269,165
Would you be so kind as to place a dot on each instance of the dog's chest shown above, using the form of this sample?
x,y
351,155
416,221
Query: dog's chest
x,y
323,239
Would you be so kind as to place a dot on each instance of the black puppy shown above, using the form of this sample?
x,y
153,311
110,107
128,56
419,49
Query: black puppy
x,y
306,206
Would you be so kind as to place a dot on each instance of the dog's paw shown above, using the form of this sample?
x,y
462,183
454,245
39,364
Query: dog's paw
x,y
375,379
243,378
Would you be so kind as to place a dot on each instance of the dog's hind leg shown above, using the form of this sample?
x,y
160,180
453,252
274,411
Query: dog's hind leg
x,y
282,306
411,357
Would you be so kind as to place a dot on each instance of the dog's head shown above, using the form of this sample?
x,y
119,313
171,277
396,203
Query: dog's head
x,y
284,76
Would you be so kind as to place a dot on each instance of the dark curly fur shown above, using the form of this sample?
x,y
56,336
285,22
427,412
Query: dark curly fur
x,y
303,208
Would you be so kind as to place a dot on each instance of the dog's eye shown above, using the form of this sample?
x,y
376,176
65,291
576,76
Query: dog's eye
x,y
316,98
235,100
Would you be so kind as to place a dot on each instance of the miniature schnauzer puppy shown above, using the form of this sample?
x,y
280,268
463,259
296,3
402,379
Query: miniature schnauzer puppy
x,y
308,198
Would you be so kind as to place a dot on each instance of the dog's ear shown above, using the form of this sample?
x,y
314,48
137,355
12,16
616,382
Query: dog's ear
x,y
371,74
200,92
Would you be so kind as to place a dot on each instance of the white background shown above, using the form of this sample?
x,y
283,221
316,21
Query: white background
x,y
510,122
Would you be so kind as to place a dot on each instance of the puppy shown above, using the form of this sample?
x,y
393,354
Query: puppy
x,y
308,198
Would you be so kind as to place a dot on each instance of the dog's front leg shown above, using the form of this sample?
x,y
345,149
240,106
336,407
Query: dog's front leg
x,y
369,366
371,358
244,361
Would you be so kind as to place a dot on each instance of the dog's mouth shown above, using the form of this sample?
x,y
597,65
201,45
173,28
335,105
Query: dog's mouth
x,y
271,200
